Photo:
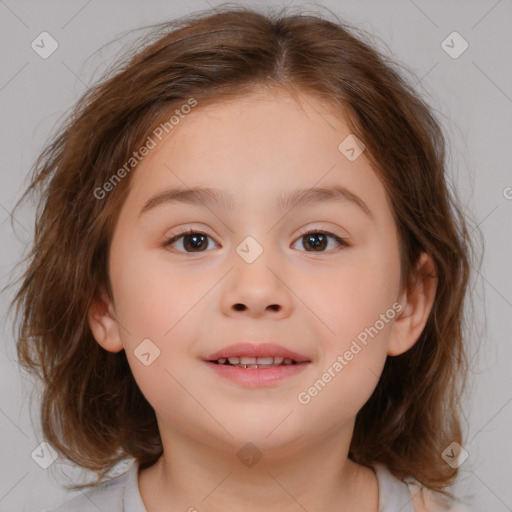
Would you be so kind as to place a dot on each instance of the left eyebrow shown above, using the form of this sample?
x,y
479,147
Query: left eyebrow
x,y
295,198
310,196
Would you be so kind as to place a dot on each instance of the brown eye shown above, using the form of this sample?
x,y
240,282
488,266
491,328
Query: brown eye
x,y
319,240
191,241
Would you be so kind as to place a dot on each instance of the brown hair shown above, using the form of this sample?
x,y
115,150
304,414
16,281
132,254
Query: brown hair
x,y
92,410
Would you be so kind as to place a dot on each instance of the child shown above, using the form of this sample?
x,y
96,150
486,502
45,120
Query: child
x,y
248,276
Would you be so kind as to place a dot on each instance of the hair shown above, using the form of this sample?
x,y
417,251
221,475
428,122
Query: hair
x,y
92,410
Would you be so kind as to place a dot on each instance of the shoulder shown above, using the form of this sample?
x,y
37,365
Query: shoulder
x,y
408,495
426,500
108,496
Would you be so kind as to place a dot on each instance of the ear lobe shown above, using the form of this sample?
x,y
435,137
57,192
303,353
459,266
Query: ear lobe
x,y
102,321
417,303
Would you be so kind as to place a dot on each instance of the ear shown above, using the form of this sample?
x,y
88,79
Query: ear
x,y
417,303
103,323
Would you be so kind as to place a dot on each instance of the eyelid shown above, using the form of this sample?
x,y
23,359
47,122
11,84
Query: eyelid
x,y
321,229
173,237
342,240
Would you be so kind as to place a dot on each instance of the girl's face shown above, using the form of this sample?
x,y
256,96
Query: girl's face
x,y
250,275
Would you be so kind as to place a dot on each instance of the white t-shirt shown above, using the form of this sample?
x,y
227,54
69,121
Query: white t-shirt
x,y
121,494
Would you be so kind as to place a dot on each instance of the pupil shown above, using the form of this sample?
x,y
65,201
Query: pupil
x,y
197,240
313,241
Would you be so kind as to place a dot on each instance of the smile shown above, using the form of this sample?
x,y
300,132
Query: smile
x,y
255,362
257,375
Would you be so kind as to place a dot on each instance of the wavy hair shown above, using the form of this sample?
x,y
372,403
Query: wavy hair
x,y
92,411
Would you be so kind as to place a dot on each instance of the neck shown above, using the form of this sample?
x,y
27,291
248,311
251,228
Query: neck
x,y
314,475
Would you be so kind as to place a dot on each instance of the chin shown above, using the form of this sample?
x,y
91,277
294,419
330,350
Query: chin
x,y
266,433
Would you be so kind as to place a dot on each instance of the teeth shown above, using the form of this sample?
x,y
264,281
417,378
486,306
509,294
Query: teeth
x,y
264,360
255,362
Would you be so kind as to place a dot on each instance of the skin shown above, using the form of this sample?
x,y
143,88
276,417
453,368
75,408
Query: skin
x,y
314,303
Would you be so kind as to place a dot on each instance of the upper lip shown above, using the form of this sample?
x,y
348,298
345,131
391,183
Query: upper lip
x,y
259,350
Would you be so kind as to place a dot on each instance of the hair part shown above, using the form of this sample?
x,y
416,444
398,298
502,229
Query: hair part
x,y
92,410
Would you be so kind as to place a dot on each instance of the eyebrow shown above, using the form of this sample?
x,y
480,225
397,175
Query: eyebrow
x,y
298,197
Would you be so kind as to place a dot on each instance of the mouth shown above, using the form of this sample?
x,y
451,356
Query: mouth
x,y
259,365
255,362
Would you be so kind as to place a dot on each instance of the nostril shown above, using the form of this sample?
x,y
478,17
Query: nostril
x,y
239,307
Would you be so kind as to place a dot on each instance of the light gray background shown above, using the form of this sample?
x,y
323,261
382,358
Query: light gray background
x,y
472,95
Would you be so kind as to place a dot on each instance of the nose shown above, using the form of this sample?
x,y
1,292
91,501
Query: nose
x,y
257,289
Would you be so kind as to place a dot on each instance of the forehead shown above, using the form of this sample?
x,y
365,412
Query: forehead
x,y
254,146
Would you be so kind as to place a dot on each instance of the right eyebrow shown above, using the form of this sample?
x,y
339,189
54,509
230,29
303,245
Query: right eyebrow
x,y
196,196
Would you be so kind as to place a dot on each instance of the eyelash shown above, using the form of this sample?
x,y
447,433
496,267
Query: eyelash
x,y
189,231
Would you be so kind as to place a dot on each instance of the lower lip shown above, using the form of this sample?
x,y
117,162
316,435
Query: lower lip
x,y
257,377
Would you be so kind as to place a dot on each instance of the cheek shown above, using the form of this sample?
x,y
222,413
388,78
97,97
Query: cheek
x,y
337,395
355,352
370,284
151,296
356,301
156,302
358,294
155,309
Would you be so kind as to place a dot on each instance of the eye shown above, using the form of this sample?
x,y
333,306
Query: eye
x,y
196,241
193,241
318,240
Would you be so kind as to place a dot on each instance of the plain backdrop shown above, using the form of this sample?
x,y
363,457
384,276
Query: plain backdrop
x,y
471,94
